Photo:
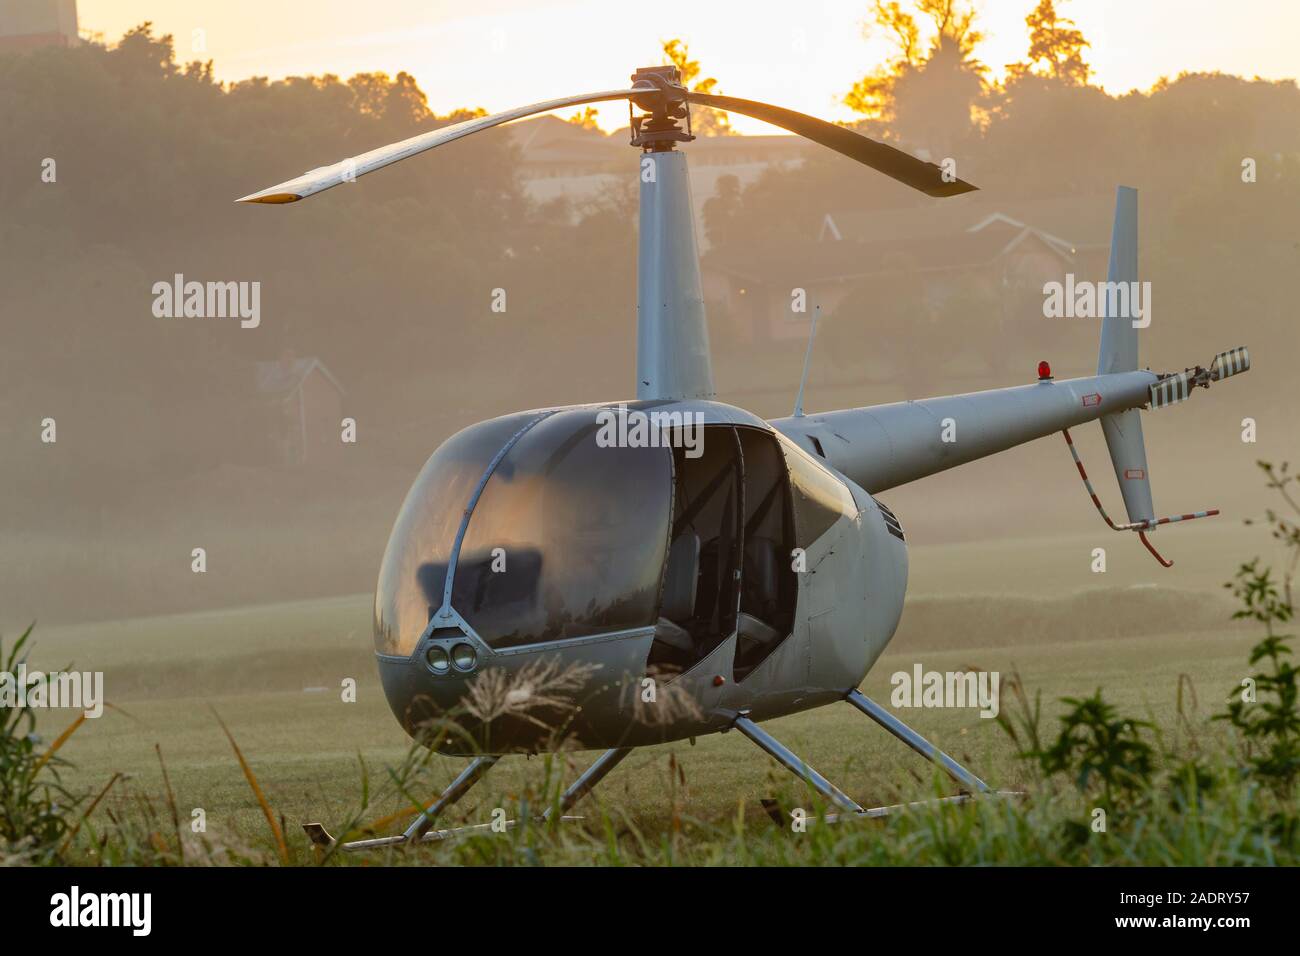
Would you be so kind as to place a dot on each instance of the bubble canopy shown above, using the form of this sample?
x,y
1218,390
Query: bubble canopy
x,y
564,538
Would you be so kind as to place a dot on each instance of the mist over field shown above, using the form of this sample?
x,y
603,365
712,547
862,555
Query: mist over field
x,y
170,438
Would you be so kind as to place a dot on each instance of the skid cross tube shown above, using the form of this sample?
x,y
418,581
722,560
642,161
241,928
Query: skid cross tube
x,y
458,788
590,777
914,740
419,830
787,758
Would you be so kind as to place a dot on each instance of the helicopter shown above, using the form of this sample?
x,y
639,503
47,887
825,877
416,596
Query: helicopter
x,y
746,566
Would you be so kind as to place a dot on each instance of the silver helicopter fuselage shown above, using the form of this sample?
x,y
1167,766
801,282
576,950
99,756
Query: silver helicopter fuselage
x,y
853,577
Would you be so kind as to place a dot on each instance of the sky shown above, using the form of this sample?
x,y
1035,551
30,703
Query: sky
x,y
802,54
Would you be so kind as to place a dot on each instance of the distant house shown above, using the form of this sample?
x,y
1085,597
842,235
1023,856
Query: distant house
x,y
744,157
1009,251
304,403
554,147
559,159
30,24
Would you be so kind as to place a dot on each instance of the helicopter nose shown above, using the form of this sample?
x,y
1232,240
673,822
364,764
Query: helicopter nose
x,y
427,694
460,697
441,668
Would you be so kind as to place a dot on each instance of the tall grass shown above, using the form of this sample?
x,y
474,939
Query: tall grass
x,y
1105,789
36,810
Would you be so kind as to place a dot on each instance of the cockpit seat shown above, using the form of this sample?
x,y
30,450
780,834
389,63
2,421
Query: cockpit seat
x,y
674,635
762,568
681,581
752,629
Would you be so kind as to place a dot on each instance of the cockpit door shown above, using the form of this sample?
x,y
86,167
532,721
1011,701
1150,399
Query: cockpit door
x,y
701,595
769,583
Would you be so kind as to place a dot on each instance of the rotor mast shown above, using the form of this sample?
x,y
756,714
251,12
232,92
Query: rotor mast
x,y
672,351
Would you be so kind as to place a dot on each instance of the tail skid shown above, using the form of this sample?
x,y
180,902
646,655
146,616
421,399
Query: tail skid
x,y
1141,527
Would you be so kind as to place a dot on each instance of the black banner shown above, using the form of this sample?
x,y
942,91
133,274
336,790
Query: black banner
x,y
336,903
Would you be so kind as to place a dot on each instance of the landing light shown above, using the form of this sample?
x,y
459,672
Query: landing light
x,y
463,656
437,659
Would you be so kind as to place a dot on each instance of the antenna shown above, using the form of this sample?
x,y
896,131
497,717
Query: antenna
x,y
807,360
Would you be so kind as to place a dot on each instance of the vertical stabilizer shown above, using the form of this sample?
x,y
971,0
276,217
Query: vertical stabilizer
x,y
1119,353
1119,343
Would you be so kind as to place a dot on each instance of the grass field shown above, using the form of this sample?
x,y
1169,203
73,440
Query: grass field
x,y
274,675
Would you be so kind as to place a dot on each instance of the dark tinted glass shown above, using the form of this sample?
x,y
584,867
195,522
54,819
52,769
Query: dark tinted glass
x,y
414,568
582,531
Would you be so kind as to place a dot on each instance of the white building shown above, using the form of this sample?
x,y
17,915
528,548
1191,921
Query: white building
x,y
29,24
560,160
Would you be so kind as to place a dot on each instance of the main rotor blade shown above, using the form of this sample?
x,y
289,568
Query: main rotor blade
x,y
318,180
907,169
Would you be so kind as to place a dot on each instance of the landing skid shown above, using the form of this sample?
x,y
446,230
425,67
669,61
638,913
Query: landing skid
x,y
420,831
320,837
773,808
848,808
914,740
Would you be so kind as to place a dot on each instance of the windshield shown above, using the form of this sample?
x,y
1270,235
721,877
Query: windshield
x,y
414,568
568,539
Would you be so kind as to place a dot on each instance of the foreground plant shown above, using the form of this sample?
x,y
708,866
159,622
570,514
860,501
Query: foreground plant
x,y
36,810
1264,709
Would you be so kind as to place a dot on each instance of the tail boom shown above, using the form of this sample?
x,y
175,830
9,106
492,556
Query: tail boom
x,y
885,446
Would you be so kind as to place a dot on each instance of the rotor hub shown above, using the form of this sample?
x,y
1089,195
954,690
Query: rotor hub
x,y
664,101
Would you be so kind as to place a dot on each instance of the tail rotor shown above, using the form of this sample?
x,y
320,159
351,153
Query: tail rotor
x,y
1177,386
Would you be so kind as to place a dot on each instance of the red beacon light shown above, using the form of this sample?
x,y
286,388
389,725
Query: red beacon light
x,y
1044,372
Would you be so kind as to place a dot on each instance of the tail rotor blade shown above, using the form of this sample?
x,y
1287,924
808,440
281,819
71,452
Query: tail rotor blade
x,y
894,163
1175,388
1171,390
1232,362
